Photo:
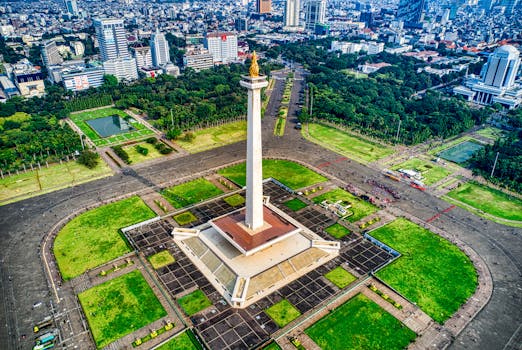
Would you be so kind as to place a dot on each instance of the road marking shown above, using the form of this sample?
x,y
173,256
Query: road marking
x,y
438,215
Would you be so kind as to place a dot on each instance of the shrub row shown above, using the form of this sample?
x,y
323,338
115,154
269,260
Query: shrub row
x,y
153,334
120,152
385,296
368,223
141,150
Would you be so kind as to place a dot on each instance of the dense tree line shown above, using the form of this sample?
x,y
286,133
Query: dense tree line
x,y
10,55
375,104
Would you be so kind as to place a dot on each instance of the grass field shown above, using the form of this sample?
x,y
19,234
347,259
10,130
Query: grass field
x,y
295,204
489,200
57,176
291,174
235,200
92,238
161,259
190,192
194,302
490,133
360,207
180,342
360,324
337,231
80,118
218,136
184,218
272,346
431,271
432,173
283,313
119,307
340,277
354,147
136,157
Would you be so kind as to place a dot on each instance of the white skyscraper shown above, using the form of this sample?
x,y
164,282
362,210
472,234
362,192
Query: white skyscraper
x,y
160,49
222,46
111,38
50,54
502,67
315,13
292,8
72,7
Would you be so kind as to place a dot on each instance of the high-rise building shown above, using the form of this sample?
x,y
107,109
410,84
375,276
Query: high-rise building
x,y
263,6
315,13
222,46
122,68
50,53
198,59
159,48
497,84
241,24
292,8
111,38
410,12
72,7
142,54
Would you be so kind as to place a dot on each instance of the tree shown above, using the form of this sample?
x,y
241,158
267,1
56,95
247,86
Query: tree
x,y
173,134
110,81
89,158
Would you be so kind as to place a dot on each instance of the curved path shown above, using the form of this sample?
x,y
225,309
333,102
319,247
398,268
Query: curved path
x,y
25,295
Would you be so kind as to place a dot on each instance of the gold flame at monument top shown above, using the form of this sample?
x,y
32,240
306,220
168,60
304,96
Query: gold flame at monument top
x,y
254,67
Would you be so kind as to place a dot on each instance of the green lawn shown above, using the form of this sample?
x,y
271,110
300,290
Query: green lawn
x,y
490,133
351,146
360,324
235,200
57,176
92,238
136,157
184,218
431,271
295,204
432,173
190,192
119,307
360,207
337,231
80,120
194,302
489,200
161,259
340,277
180,342
215,137
283,313
272,346
291,174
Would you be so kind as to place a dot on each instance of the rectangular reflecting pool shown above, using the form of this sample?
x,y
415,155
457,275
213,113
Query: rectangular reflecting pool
x,y
461,152
111,125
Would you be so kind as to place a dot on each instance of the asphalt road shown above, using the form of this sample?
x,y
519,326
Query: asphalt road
x,y
24,224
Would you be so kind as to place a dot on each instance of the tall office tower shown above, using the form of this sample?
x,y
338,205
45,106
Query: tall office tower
x,y
50,54
292,8
410,12
222,46
241,24
502,67
111,38
160,49
263,6
142,54
315,13
72,7
510,6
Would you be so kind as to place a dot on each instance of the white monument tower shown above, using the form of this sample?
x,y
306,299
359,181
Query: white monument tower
x,y
254,167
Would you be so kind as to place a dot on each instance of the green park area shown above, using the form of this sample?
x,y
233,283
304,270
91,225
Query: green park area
x,y
93,238
337,231
194,302
119,307
295,204
431,272
490,133
487,200
432,173
161,259
81,118
289,173
360,207
47,179
235,200
213,137
183,341
184,218
340,277
272,346
136,157
360,324
190,192
283,313
351,146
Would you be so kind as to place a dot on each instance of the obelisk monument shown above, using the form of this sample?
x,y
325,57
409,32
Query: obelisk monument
x,y
254,167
